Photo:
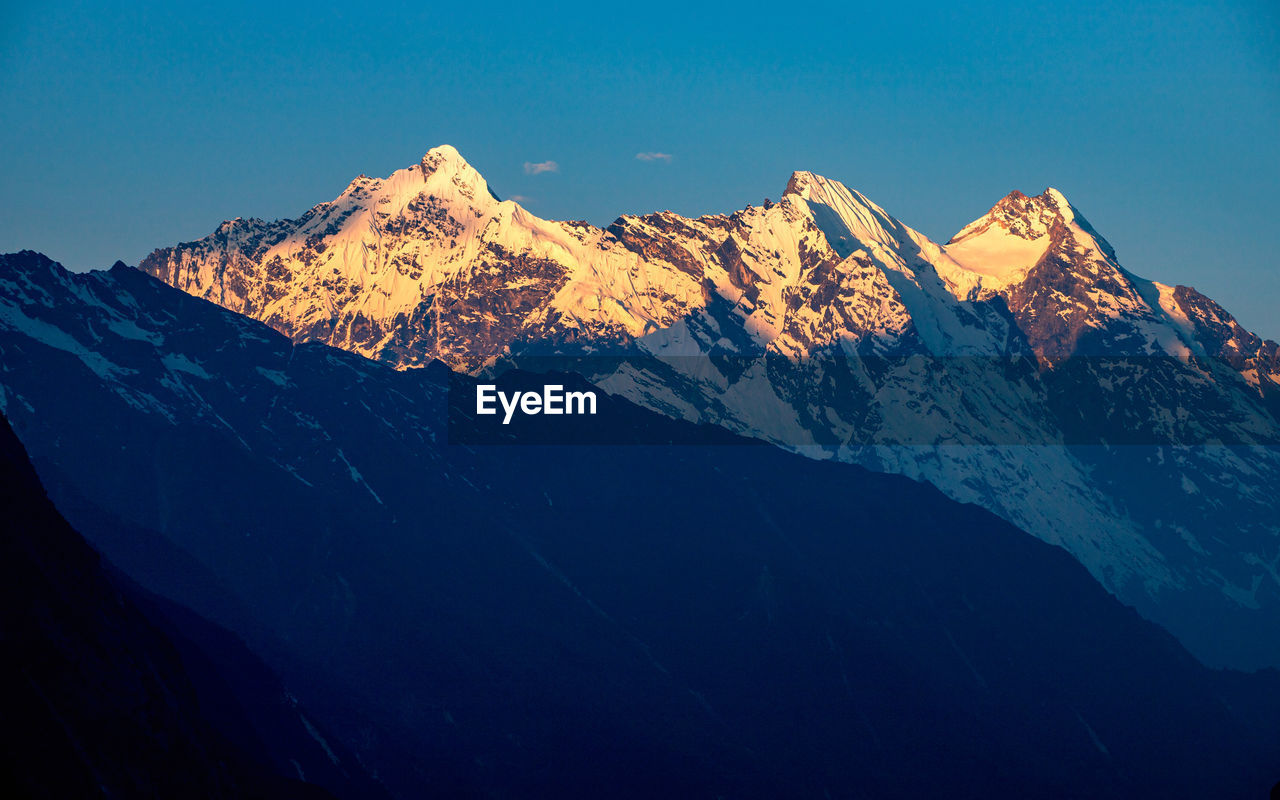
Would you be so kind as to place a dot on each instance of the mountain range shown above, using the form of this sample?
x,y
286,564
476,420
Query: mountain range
x,y
1131,422
682,619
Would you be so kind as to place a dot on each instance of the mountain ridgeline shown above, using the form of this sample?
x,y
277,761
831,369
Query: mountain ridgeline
x,y
1132,422
688,620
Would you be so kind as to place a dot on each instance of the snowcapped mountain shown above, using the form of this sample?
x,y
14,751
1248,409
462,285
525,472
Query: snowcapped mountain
x,y
825,325
1070,295
426,264
395,269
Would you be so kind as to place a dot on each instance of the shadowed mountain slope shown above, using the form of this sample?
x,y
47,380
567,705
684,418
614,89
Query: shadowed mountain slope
x,y
690,619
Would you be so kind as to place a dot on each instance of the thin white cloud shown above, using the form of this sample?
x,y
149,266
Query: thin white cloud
x,y
531,168
518,198
654,157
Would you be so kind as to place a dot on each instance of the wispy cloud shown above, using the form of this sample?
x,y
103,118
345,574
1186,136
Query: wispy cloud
x,y
518,198
654,157
531,168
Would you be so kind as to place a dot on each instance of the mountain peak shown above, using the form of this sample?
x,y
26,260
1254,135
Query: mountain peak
x,y
444,158
446,152
1030,218
800,183
1057,197
1049,204
445,172
1003,244
847,217
805,185
1024,216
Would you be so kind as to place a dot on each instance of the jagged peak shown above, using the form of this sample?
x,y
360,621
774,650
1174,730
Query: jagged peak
x,y
1031,217
442,171
444,162
1057,197
444,157
435,171
1024,216
807,185
848,218
1050,201
1007,241
799,183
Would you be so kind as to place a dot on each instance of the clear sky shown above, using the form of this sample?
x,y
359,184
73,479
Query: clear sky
x,y
125,127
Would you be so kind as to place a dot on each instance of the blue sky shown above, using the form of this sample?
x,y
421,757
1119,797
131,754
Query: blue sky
x,y
132,126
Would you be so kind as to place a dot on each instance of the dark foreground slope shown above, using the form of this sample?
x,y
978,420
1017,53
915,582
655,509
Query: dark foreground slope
x,y
104,696
689,619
